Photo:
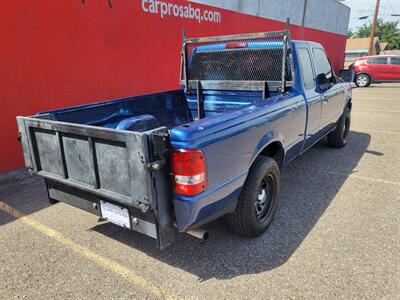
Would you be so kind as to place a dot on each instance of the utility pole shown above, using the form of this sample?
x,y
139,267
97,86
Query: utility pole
x,y
373,28
304,13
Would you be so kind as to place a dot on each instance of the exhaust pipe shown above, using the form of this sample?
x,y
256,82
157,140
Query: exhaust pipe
x,y
197,233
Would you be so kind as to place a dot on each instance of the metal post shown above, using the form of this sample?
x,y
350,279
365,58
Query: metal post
x,y
265,92
289,51
373,28
184,67
284,54
200,102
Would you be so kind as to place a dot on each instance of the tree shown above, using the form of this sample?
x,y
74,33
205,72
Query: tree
x,y
350,33
386,31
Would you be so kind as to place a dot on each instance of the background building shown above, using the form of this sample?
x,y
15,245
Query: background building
x,y
61,53
358,47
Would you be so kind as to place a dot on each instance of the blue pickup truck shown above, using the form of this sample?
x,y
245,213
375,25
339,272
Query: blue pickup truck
x,y
171,162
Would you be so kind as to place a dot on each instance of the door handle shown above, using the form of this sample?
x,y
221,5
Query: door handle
x,y
293,108
325,98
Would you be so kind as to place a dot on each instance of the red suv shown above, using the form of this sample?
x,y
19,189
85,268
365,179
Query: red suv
x,y
376,68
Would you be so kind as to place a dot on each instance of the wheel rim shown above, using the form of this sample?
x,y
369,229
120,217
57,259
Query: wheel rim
x,y
362,80
264,198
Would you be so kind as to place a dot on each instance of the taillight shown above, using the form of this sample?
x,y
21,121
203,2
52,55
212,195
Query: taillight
x,y
236,45
189,171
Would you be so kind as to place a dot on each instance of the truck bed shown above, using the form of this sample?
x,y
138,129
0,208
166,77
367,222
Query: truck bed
x,y
141,113
169,109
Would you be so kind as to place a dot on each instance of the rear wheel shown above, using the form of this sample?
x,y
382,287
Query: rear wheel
x,y
259,199
338,137
363,80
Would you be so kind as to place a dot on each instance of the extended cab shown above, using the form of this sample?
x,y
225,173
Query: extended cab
x,y
173,161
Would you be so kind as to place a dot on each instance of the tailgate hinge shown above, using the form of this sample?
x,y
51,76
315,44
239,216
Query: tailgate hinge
x,y
155,165
159,145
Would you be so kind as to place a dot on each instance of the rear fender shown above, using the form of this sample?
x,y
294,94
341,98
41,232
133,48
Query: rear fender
x,y
269,138
192,212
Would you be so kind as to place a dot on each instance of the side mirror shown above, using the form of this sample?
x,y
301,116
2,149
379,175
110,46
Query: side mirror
x,y
346,75
321,82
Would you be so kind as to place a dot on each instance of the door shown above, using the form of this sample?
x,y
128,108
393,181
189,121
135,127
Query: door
x,y
332,95
378,68
394,68
312,96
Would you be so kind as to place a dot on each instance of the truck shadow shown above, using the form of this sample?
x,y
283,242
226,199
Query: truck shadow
x,y
23,192
309,185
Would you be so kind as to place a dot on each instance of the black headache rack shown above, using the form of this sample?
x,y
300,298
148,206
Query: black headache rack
x,y
88,166
239,66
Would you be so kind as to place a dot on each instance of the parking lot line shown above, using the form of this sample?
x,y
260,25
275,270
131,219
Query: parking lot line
x,y
104,262
352,175
378,110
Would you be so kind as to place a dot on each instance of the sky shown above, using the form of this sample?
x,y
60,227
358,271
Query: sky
x,y
366,8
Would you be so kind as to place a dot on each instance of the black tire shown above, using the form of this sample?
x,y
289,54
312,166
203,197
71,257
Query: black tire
x,y
338,137
248,219
362,80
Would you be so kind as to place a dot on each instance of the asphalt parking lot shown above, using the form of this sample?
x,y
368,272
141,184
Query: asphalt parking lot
x,y
336,234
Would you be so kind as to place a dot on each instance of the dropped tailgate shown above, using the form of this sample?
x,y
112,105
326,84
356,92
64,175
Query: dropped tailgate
x,y
121,166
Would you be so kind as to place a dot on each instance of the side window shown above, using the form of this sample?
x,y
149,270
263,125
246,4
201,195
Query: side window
x,y
322,64
395,60
377,61
306,68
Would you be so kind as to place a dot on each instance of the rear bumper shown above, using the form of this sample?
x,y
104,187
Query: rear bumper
x,y
193,212
190,212
145,223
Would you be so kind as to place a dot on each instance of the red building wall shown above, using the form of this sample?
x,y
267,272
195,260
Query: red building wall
x,y
61,53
